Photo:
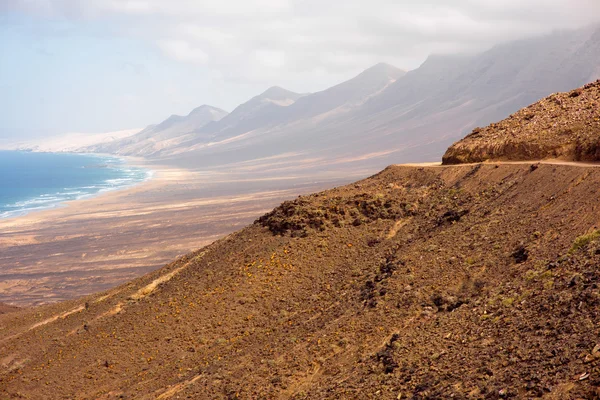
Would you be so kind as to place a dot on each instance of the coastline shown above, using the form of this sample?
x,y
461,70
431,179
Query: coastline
x,y
88,203
94,244
128,172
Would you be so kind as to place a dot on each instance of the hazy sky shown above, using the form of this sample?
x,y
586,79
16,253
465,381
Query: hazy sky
x,y
103,65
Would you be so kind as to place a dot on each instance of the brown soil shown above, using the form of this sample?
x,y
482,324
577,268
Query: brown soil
x,y
562,126
462,282
5,308
96,244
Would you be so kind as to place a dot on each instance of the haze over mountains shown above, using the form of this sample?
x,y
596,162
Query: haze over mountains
x,y
169,133
382,116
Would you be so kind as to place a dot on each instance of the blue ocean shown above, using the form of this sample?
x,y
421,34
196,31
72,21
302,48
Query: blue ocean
x,y
34,181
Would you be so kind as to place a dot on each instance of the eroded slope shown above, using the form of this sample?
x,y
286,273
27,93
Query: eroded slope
x,y
562,126
464,281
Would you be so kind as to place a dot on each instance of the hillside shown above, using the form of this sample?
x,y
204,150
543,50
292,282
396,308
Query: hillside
x,y
562,126
5,308
272,110
471,281
408,117
263,110
169,133
385,115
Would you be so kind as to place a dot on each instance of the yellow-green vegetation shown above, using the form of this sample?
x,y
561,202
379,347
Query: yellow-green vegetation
x,y
508,301
540,273
584,240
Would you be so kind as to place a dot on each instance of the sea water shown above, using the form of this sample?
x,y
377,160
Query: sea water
x,y
32,181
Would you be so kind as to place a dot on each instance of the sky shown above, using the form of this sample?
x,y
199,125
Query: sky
x,y
105,65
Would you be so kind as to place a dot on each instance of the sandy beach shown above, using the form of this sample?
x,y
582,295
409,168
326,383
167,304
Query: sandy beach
x,y
94,244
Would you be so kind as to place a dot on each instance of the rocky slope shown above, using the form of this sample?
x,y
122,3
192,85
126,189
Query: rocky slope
x,y
562,126
443,282
5,308
465,281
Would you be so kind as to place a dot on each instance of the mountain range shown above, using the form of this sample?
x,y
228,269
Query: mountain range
x,y
170,133
383,115
473,281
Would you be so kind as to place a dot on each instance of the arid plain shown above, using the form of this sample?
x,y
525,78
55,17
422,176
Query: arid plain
x,y
94,244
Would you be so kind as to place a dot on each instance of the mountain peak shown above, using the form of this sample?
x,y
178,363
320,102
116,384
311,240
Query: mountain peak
x,y
279,93
383,69
202,107
206,109
438,61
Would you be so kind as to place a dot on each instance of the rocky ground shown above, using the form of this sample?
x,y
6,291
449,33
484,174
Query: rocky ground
x,y
465,282
5,308
460,282
562,126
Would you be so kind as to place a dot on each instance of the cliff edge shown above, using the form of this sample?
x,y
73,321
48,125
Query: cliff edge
x,y
563,126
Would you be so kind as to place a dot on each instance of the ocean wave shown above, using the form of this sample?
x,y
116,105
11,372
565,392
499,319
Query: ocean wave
x,y
122,176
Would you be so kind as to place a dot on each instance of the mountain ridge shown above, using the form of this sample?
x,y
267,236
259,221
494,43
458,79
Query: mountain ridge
x,y
258,117
155,137
384,114
460,281
563,126
416,117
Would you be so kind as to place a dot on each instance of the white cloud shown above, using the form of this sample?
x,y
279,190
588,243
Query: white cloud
x,y
270,58
279,41
182,50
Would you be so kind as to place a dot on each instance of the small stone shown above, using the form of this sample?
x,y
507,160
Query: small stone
x,y
502,393
589,358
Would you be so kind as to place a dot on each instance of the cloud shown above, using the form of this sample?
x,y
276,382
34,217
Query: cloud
x,y
182,50
283,41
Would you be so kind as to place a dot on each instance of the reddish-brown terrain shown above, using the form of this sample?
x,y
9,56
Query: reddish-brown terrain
x,y
466,282
562,126
5,308
99,243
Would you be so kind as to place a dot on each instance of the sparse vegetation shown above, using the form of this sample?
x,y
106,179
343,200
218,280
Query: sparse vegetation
x,y
583,240
563,125
308,304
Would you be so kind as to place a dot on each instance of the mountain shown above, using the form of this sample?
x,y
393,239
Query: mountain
x,y
279,130
276,108
274,96
470,281
562,126
263,117
381,116
417,117
489,86
260,111
351,93
170,132
385,116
